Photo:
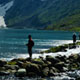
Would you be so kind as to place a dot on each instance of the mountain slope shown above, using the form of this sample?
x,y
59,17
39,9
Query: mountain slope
x,y
4,6
40,14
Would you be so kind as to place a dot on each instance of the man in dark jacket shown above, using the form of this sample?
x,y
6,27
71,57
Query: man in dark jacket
x,y
79,35
30,45
74,39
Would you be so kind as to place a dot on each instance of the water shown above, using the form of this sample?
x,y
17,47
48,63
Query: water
x,y
13,41
12,45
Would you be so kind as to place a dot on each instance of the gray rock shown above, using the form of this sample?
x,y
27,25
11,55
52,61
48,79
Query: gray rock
x,y
12,67
61,58
51,72
33,68
21,73
45,72
2,63
60,66
3,73
55,70
65,69
52,60
38,62
20,64
2,69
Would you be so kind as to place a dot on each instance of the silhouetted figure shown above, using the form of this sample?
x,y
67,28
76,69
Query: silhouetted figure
x,y
30,45
74,39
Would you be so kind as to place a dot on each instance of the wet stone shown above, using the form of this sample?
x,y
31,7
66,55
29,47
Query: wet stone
x,y
21,73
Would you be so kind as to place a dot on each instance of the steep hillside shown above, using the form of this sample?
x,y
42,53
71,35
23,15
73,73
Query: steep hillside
x,y
40,14
68,23
4,6
4,1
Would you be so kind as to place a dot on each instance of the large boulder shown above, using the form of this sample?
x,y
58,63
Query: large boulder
x,y
32,68
73,66
2,69
49,64
2,63
61,58
20,64
55,70
38,61
21,73
4,73
24,65
51,72
60,66
65,69
19,59
12,63
11,71
45,72
74,58
52,60
12,67
22,59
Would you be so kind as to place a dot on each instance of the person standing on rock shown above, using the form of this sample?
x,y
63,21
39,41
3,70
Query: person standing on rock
x,y
30,45
74,39
79,35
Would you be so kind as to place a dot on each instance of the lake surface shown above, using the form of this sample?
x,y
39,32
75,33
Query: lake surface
x,y
13,41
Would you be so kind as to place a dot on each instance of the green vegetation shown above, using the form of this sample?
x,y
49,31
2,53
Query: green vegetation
x,y
49,14
69,23
12,63
56,49
60,48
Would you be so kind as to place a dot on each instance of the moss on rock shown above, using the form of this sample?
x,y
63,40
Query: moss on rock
x,y
12,63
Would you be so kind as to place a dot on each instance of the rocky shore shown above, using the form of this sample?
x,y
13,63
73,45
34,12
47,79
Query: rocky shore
x,y
48,67
43,67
